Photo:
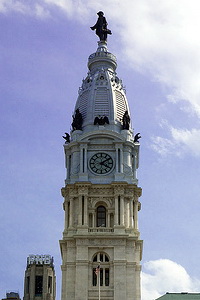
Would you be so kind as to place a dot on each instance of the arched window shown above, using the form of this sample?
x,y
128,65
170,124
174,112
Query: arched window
x,y
101,216
101,267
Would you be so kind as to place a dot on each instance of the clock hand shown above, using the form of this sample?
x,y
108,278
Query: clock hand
x,y
102,163
106,159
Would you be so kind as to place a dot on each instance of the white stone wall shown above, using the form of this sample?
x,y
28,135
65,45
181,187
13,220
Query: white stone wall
x,y
120,242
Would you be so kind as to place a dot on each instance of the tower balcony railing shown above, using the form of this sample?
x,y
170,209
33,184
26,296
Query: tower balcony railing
x,y
103,54
101,229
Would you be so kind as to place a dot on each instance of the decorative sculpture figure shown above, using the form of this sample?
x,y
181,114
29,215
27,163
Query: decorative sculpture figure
x,y
137,137
101,27
126,120
77,120
66,137
101,120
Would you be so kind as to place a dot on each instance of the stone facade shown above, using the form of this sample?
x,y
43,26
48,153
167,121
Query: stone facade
x,y
118,239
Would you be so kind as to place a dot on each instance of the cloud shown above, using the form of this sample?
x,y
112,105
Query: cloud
x,y
180,143
163,42
158,38
163,275
9,5
33,9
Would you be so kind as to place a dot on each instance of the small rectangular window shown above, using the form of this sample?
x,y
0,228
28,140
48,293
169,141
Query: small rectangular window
x,y
95,258
101,277
28,285
90,220
38,285
94,277
50,284
106,277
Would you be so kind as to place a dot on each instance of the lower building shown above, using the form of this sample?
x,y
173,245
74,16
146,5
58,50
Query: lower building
x,y
12,296
180,296
40,280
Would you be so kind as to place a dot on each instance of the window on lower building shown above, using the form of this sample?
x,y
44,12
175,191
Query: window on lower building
x,y
38,285
50,284
28,284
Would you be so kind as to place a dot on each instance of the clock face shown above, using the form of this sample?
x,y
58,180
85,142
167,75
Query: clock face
x,y
101,163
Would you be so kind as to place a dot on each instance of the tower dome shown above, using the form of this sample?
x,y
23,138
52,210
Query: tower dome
x,y
102,93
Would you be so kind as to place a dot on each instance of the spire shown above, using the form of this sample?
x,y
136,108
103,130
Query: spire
x,y
101,126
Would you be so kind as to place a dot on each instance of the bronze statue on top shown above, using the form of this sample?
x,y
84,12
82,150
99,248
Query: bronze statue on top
x,y
101,27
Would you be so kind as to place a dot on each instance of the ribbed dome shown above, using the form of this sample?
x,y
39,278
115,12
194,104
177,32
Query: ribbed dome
x,y
102,92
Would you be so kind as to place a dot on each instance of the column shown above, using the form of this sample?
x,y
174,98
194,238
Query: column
x,y
80,210
117,159
86,210
68,166
85,159
134,165
71,213
66,214
121,161
104,276
93,219
122,210
116,211
131,213
81,160
108,220
136,214
127,223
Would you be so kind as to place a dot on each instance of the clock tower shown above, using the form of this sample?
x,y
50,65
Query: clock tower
x,y
101,247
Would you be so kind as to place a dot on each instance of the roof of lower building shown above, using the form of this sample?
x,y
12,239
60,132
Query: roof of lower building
x,y
180,296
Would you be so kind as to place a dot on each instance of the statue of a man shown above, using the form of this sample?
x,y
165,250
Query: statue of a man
x,y
126,120
101,27
77,120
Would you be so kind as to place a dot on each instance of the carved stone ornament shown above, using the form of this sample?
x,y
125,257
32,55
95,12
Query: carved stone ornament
x,y
105,242
71,244
127,170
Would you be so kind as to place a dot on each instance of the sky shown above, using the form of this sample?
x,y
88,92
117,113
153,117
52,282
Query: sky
x,y
44,49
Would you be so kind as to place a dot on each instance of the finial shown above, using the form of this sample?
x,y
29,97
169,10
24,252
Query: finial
x,y
101,27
